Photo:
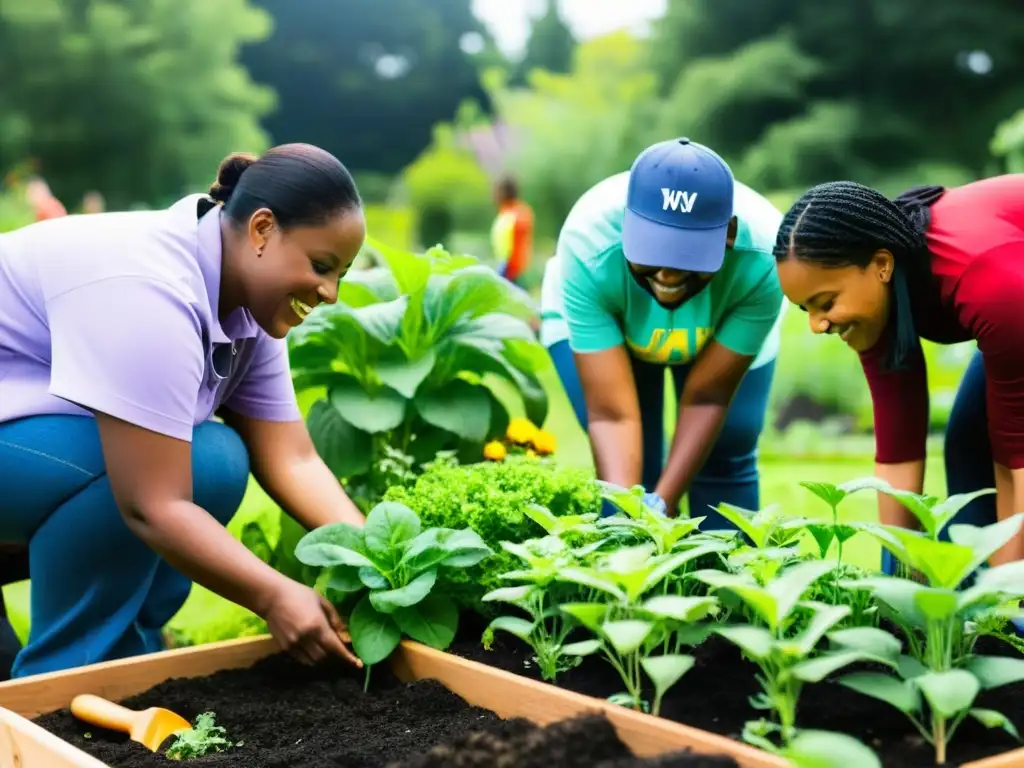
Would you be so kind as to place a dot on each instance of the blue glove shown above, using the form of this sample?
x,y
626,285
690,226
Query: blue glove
x,y
655,502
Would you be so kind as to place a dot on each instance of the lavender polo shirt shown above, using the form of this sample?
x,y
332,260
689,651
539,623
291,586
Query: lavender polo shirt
x,y
117,313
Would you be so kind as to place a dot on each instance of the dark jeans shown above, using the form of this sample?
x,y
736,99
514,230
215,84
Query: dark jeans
x,y
730,473
98,592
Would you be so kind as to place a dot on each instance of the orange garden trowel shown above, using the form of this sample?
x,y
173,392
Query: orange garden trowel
x,y
150,727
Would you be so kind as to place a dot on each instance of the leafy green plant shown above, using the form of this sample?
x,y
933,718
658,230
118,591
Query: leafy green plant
x,y
204,738
940,621
628,625
643,522
547,627
414,357
788,661
387,571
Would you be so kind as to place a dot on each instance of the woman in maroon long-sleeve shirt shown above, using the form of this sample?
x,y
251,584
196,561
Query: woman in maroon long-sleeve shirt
x,y
945,265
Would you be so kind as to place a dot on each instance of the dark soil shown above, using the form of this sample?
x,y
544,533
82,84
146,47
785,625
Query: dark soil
x,y
289,716
714,696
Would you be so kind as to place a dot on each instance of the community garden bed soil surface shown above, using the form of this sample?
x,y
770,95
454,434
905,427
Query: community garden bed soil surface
x,y
289,716
714,696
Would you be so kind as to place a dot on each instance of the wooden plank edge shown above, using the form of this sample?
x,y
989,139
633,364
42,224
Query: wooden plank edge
x,y
23,744
481,685
1012,759
511,695
32,696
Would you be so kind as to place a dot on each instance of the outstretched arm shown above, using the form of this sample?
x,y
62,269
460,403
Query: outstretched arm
x,y
613,415
704,405
286,465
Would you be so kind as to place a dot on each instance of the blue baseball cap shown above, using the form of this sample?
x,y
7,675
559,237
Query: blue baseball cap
x,y
678,207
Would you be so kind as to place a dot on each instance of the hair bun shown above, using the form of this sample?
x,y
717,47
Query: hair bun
x,y
230,171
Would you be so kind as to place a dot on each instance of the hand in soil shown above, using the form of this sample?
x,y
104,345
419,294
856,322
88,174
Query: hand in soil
x,y
307,626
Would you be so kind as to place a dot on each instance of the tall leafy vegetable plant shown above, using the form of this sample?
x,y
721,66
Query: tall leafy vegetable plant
x,y
412,357
387,571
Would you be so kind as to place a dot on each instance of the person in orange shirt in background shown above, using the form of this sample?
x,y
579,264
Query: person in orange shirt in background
x,y
44,204
512,232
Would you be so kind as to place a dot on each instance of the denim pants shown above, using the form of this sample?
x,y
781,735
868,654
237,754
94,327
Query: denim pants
x,y
98,592
730,473
967,453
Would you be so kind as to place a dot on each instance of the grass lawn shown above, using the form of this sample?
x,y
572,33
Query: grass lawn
x,y
206,617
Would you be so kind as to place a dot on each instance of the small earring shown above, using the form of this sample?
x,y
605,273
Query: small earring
x,y
259,253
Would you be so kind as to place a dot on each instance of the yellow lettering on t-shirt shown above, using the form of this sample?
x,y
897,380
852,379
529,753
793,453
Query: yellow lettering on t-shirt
x,y
650,350
703,334
671,347
676,348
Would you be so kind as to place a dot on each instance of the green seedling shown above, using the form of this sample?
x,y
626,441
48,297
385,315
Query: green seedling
x,y
766,528
630,626
825,533
940,622
561,526
547,627
204,738
789,662
388,569
642,522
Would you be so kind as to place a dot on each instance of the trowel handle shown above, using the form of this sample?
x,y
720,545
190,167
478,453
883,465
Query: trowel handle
x,y
103,713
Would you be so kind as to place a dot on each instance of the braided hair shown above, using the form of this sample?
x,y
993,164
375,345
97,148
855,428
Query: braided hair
x,y
843,224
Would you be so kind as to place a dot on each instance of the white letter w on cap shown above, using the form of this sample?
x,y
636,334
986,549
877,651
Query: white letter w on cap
x,y
677,200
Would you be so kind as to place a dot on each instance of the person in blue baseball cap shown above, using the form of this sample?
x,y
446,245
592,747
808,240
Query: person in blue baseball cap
x,y
669,265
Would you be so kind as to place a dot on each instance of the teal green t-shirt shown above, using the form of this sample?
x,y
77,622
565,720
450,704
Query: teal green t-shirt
x,y
590,297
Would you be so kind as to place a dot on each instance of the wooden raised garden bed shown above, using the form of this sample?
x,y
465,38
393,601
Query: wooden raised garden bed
x,y
265,685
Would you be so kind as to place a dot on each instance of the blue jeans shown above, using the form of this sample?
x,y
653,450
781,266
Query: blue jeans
x,y
730,473
98,592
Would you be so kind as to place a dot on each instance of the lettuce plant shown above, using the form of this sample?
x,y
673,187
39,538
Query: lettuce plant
x,y
787,661
939,621
387,570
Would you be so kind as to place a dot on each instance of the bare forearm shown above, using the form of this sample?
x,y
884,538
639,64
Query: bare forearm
x,y
307,490
906,476
617,450
696,432
202,549
1009,500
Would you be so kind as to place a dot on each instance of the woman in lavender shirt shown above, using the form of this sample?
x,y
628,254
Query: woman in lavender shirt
x,y
121,336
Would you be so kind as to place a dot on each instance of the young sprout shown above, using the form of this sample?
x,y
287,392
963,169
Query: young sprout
x,y
202,739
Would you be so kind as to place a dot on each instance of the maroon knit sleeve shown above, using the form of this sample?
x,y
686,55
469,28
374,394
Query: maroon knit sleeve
x,y
990,303
900,400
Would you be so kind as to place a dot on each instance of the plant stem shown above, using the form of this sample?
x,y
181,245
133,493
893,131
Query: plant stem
x,y
366,681
939,731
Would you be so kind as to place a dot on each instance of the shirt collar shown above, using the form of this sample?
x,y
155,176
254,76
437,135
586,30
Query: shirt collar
x,y
240,323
